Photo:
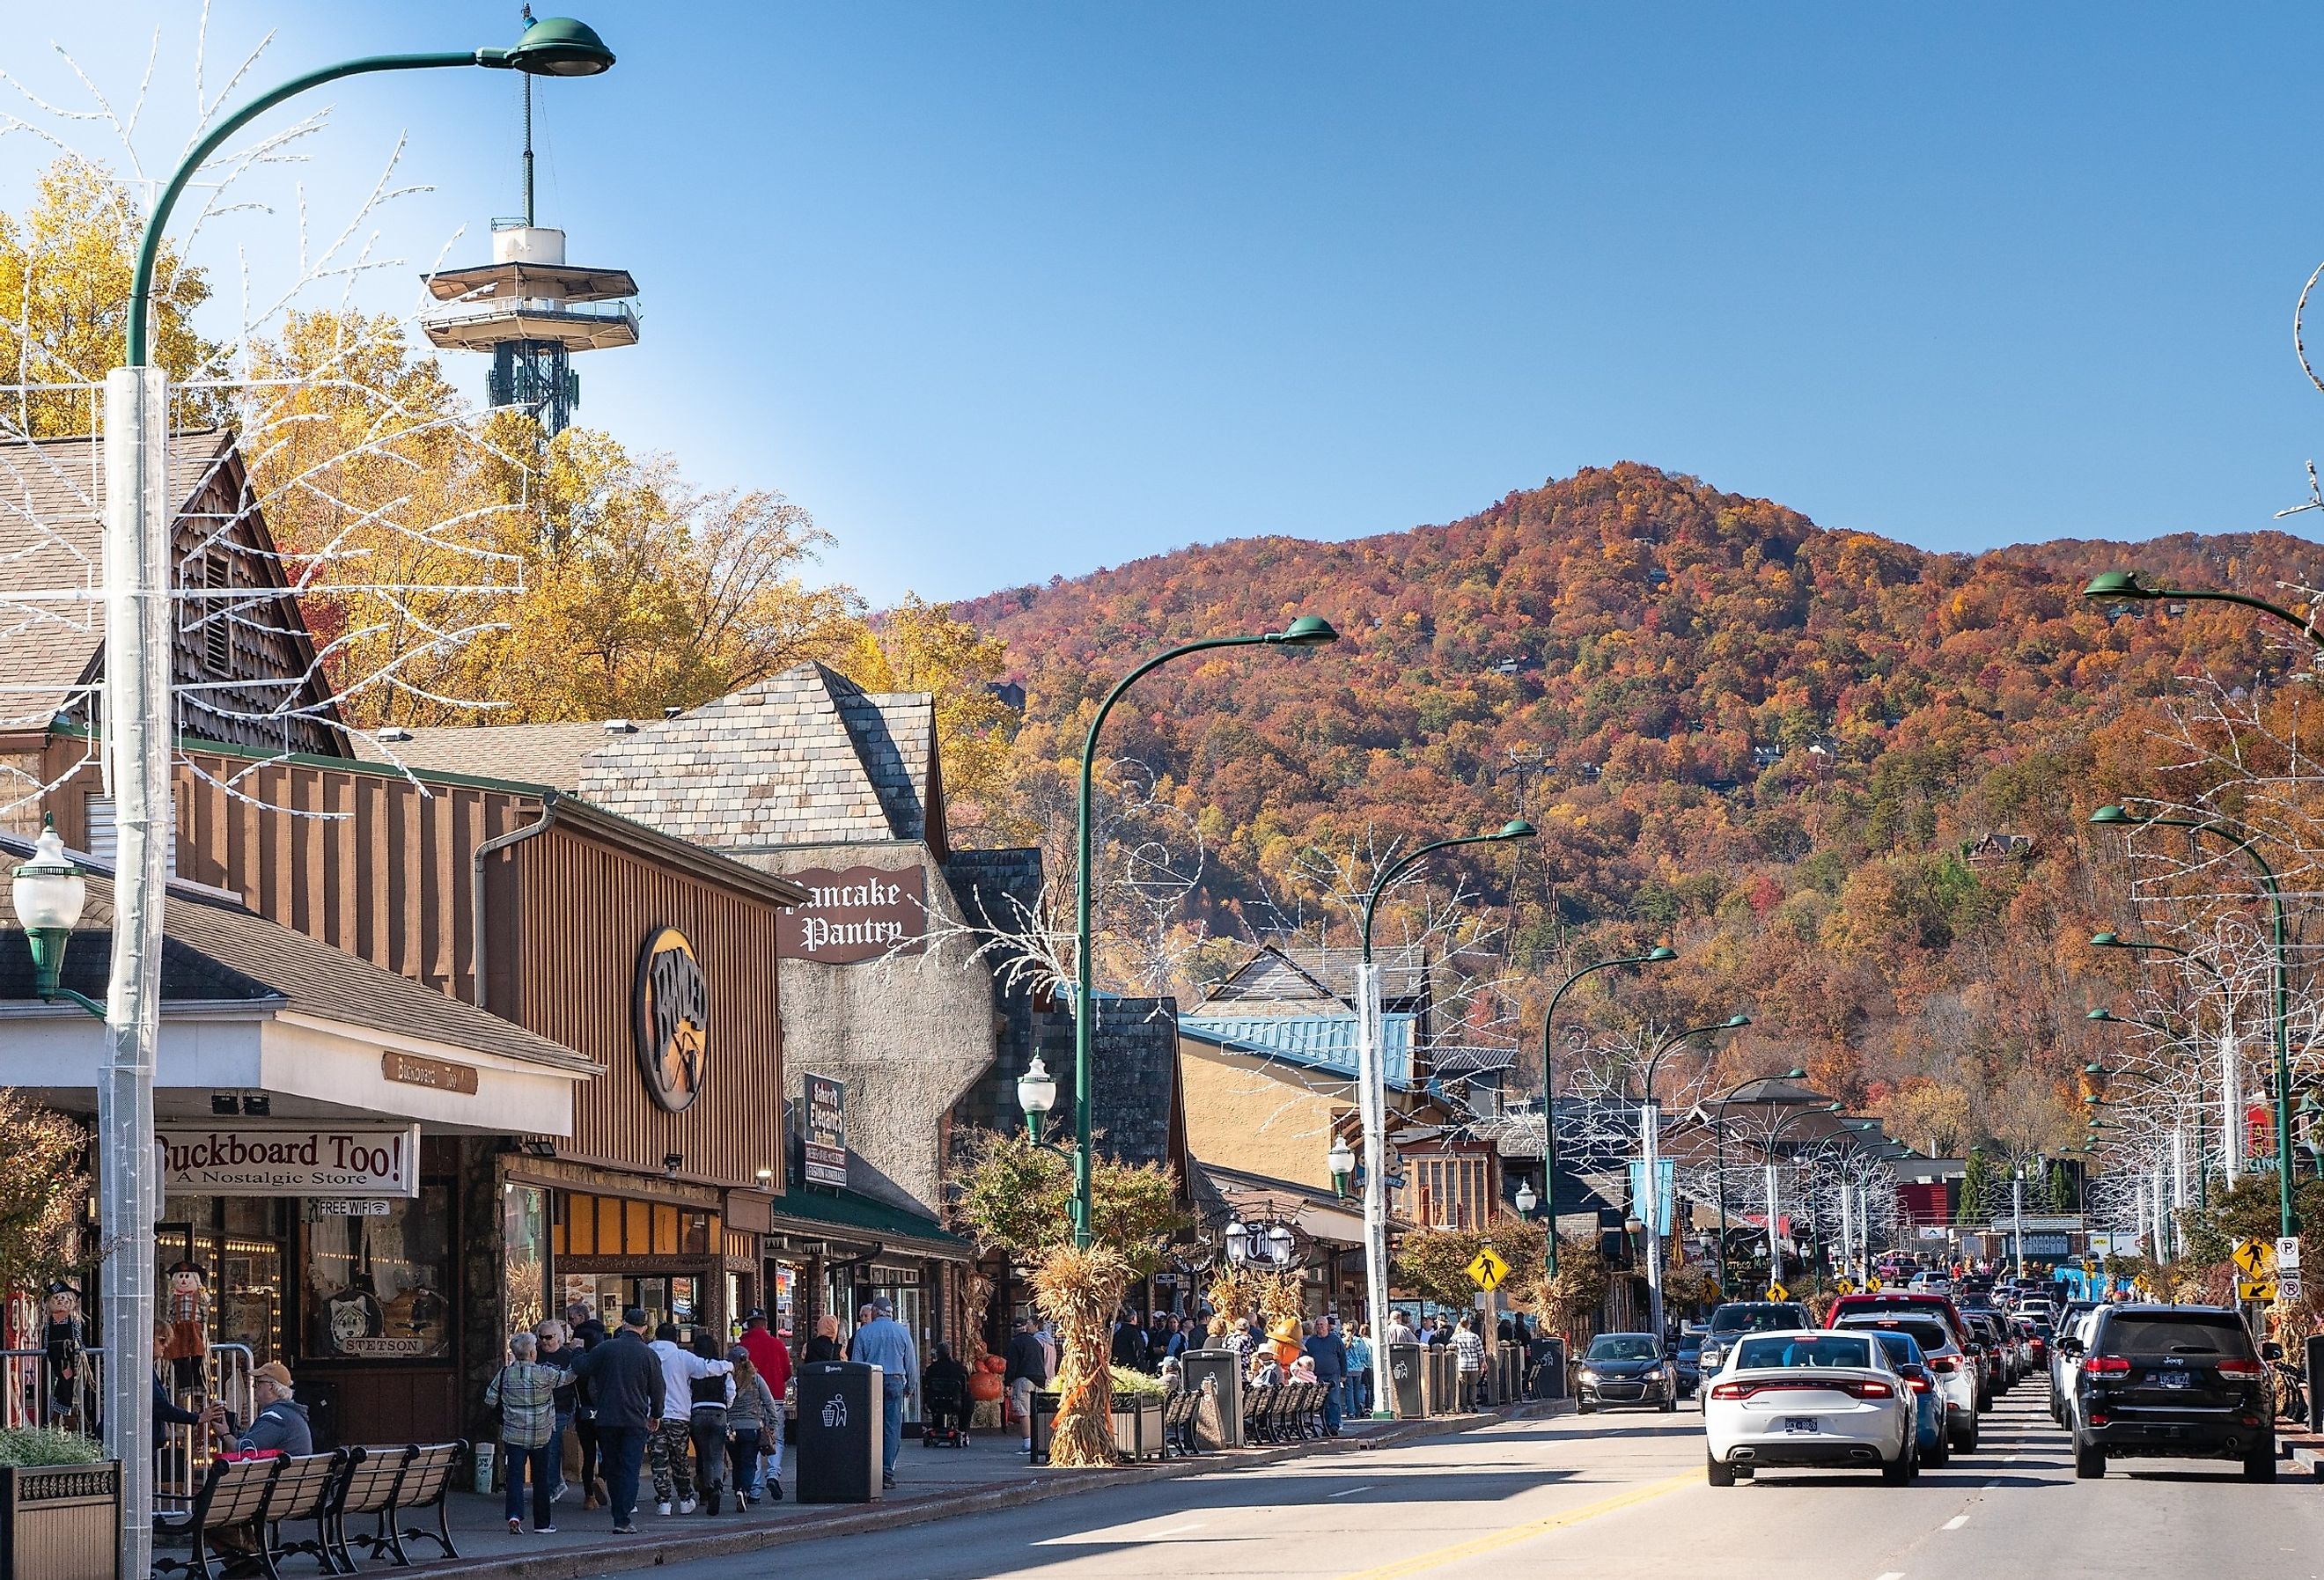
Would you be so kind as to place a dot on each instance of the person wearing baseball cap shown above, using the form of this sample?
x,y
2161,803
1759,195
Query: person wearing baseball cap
x,y
280,1422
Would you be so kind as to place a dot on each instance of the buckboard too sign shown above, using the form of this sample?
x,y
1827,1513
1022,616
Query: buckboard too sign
x,y
855,913
359,1160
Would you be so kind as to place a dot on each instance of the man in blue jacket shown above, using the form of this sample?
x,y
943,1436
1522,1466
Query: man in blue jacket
x,y
625,1378
1330,1353
884,1343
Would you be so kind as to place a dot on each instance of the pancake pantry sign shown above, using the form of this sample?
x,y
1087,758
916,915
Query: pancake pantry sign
x,y
855,913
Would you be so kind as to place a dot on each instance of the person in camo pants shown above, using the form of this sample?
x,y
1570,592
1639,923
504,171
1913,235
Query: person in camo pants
x,y
673,1434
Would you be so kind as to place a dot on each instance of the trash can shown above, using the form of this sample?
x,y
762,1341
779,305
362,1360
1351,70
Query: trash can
x,y
1443,1382
1406,1395
1218,1416
2315,1359
1549,1367
839,1435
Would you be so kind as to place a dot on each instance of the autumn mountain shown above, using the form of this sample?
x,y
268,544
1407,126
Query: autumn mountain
x,y
1775,744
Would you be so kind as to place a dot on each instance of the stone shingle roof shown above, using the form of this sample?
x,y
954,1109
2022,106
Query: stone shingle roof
x,y
542,755
805,757
51,531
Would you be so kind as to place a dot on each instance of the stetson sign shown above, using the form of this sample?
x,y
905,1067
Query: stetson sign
x,y
855,913
672,1008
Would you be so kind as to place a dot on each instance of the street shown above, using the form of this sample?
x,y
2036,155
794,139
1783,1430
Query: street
x,y
1625,1495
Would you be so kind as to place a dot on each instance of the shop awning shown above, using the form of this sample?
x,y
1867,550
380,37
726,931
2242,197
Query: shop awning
x,y
854,1218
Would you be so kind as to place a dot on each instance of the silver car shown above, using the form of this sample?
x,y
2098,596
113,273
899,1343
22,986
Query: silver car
x,y
1813,1398
1955,1372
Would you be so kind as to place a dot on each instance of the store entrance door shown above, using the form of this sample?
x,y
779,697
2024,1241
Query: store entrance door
x,y
679,1298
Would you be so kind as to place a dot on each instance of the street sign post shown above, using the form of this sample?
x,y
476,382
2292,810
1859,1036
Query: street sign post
x,y
1873,1284
2287,1254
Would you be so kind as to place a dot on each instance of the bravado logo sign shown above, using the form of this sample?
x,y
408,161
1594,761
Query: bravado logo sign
x,y
855,913
672,1001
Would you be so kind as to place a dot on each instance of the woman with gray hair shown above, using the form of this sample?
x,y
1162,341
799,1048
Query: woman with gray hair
x,y
526,1393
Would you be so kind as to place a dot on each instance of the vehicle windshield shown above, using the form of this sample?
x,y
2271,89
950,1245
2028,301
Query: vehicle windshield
x,y
2175,1335
1818,1350
1622,1346
1926,1332
1753,1318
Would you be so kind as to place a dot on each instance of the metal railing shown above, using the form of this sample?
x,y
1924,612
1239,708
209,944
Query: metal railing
x,y
229,1372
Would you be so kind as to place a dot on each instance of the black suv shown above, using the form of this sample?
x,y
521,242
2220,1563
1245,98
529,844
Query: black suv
x,y
2176,1382
1732,1320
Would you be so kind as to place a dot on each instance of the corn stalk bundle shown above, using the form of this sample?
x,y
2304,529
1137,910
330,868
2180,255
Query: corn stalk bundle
x,y
1080,1290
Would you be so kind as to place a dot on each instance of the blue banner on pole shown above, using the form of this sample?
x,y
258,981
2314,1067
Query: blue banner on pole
x,y
1665,1177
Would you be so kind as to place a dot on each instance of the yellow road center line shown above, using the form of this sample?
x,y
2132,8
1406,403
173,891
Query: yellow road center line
x,y
1514,1534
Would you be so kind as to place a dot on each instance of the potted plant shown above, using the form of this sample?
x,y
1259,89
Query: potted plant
x,y
60,1507
1137,1401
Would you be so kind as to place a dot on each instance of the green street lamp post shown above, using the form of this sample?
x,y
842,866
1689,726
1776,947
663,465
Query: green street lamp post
x,y
2116,816
1661,954
1719,1134
1306,631
2124,587
139,504
1372,1086
1650,1195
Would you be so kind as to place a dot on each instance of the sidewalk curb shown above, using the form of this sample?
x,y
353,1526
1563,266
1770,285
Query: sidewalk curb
x,y
2307,1453
577,1563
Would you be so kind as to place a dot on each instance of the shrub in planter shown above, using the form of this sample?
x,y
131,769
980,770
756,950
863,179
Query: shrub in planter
x,y
60,1507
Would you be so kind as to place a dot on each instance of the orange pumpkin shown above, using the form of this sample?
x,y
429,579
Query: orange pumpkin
x,y
986,1386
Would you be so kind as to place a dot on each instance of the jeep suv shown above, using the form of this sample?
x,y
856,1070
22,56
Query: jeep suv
x,y
2174,1382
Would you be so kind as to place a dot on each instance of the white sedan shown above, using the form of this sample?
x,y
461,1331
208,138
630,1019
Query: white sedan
x,y
1809,1399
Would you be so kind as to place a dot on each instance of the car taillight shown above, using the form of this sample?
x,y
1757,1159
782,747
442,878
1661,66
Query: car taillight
x,y
1943,1363
1868,1389
1730,1391
2106,1366
1919,1384
2241,1368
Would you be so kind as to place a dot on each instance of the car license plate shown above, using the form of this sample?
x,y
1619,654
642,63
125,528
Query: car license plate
x,y
1801,1424
2170,1380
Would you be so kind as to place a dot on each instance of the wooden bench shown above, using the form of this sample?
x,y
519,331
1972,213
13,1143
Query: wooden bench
x,y
305,1488
427,1479
232,1497
374,1475
1257,1407
1178,1423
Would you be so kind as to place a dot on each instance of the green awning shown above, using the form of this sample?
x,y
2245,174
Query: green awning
x,y
850,1215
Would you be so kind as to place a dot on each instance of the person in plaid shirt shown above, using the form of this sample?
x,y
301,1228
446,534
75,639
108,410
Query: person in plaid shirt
x,y
526,1392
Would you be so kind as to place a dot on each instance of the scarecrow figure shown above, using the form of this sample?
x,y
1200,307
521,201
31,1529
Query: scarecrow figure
x,y
64,1341
188,1314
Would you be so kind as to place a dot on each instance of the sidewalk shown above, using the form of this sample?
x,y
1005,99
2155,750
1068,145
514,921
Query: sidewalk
x,y
936,1484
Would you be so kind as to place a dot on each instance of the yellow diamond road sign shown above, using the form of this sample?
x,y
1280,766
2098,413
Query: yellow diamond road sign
x,y
1844,1287
1489,1270
2255,1257
1777,1292
1872,1284
2260,1290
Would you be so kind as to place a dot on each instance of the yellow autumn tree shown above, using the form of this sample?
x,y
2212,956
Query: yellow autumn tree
x,y
66,264
919,646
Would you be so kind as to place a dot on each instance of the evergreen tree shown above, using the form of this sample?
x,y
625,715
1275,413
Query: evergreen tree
x,y
1975,1189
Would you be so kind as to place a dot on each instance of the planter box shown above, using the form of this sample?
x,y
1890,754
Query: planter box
x,y
61,1521
1138,1426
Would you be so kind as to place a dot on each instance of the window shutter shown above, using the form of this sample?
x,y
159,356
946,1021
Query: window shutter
x,y
105,834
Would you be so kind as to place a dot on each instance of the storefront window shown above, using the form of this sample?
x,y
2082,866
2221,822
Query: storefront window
x,y
524,1238
237,1244
375,1278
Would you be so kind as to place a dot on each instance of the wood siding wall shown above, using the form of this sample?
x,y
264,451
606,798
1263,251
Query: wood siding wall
x,y
373,867
583,912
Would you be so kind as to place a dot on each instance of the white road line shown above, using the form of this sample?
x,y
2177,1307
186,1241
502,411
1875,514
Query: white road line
x,y
1956,1523
1892,1575
1351,1492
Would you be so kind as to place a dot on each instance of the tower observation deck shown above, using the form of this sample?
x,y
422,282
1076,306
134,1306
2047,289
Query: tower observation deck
x,y
532,311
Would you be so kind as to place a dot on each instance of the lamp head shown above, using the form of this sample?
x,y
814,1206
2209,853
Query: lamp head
x,y
48,891
1794,1075
1341,1161
1515,828
1525,1199
1736,1022
1037,1092
1307,631
2118,583
559,46
1660,953
2105,942
2109,815
2100,1013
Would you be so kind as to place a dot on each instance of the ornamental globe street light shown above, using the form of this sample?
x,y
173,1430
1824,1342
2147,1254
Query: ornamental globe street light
x,y
1341,1161
1525,1199
1238,1239
49,893
1279,1244
1037,1095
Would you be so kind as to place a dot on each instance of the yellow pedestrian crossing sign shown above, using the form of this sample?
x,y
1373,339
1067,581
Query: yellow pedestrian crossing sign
x,y
2255,1258
1488,1269
1777,1292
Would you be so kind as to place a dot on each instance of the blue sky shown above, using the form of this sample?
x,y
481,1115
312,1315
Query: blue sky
x,y
1000,291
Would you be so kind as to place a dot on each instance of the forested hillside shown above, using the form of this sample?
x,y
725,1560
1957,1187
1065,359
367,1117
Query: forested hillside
x,y
1775,745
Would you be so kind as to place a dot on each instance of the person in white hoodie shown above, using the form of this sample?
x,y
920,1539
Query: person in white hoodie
x,y
673,1433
